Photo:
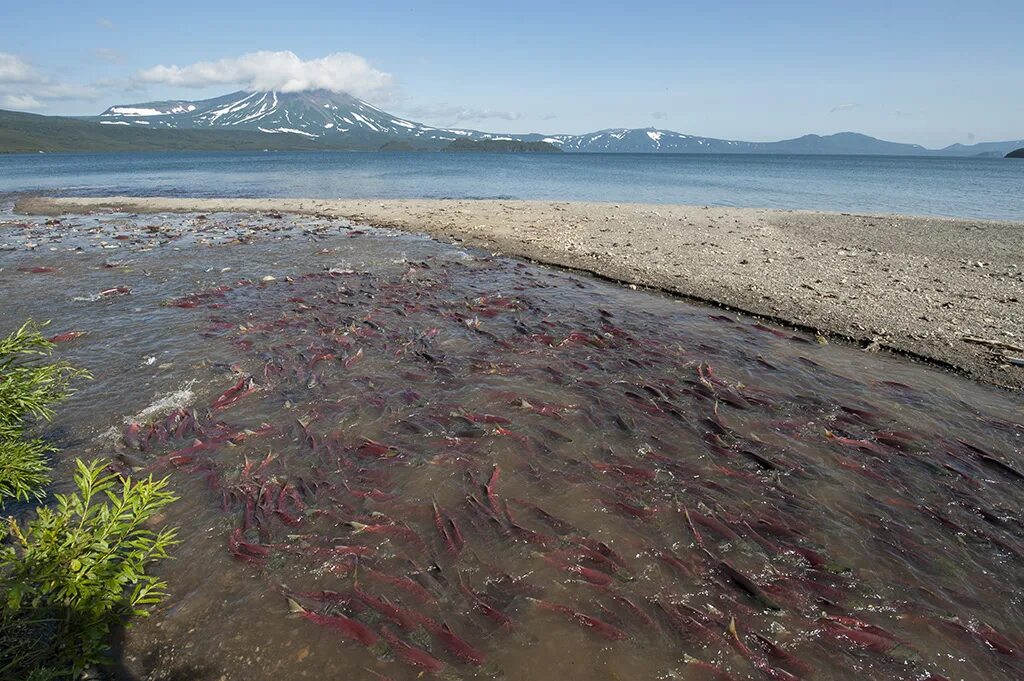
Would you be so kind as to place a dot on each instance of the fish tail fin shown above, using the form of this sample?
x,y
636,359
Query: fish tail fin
x,y
294,608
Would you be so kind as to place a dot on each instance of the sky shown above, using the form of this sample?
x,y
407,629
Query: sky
x,y
931,72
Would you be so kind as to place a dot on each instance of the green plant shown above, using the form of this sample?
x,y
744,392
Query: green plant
x,y
29,384
77,570
23,468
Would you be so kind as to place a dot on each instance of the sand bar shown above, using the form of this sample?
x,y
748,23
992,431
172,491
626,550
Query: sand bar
x,y
950,291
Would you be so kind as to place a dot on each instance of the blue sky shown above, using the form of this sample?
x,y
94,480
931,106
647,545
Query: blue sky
x,y
927,71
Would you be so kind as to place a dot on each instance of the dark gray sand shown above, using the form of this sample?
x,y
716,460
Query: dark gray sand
x,y
949,291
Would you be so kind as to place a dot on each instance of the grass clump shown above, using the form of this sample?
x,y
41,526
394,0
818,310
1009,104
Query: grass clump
x,y
74,570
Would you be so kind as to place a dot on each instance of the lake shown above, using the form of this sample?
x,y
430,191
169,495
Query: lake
x,y
960,187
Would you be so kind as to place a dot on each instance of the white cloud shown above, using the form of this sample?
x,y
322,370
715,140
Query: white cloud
x,y
14,69
22,86
103,22
454,113
19,102
843,107
282,71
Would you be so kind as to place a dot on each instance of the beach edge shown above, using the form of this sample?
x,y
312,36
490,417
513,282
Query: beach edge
x,y
946,291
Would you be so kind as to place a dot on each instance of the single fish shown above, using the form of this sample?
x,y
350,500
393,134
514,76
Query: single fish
x,y
244,386
400,582
757,661
411,655
448,530
484,607
349,628
783,658
395,530
595,577
396,614
486,418
555,523
716,672
747,584
246,551
492,495
858,637
634,473
866,445
67,336
599,627
636,610
713,524
457,646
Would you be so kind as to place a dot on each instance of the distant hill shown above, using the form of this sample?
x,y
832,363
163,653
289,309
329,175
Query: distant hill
x,y
1016,153
31,133
503,146
330,121
1001,148
844,143
399,145
651,140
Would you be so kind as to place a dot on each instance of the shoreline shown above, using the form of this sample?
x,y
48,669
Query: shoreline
x,y
927,287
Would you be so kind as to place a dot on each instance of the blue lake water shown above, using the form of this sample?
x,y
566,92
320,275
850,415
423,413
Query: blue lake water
x,y
965,187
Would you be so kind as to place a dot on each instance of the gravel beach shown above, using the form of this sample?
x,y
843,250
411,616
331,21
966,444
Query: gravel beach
x,y
948,291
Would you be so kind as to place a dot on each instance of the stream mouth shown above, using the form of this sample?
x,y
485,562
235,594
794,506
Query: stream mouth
x,y
396,456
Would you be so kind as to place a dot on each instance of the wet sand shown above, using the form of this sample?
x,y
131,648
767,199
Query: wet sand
x,y
948,291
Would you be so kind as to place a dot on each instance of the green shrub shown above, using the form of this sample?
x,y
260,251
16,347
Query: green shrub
x,y
23,468
29,384
77,570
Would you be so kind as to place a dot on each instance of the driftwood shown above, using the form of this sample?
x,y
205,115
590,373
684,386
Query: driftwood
x,y
993,343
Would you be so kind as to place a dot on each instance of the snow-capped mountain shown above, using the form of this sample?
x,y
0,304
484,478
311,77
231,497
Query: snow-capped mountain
x,y
330,116
315,114
644,140
337,120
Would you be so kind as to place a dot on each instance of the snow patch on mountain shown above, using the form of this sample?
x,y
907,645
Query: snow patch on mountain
x,y
292,131
130,111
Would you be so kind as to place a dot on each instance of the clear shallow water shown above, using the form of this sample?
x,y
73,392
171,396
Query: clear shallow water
x,y
964,187
648,451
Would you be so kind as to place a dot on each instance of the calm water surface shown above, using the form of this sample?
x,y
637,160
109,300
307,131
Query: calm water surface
x,y
580,480
964,187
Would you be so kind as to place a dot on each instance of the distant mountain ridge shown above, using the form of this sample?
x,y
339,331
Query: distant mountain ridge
x,y
324,115
320,119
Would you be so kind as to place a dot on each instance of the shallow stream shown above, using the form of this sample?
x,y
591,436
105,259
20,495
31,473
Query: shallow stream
x,y
398,456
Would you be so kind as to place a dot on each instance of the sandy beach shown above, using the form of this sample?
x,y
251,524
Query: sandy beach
x,y
948,291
